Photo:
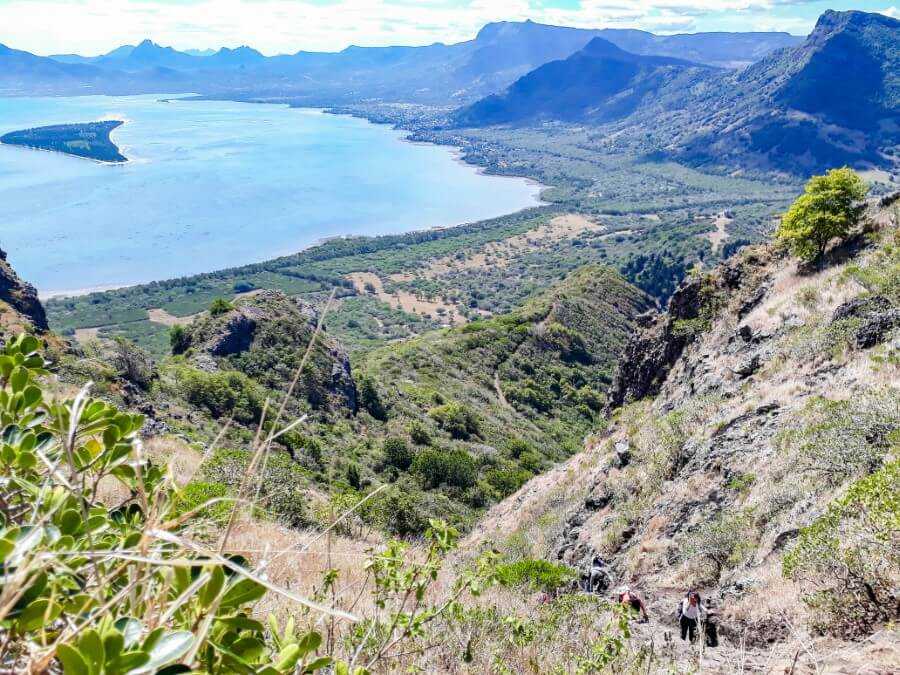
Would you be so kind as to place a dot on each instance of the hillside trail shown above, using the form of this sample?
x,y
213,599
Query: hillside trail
x,y
661,637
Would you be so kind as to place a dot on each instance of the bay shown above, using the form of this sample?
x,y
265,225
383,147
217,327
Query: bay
x,y
215,184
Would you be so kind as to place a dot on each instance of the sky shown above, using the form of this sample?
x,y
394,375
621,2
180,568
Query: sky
x,y
92,27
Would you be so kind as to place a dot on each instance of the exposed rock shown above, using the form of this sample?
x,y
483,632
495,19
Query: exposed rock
x,y
266,336
22,298
861,307
876,328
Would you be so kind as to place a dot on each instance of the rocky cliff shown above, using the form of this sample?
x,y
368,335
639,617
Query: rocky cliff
x,y
741,416
19,304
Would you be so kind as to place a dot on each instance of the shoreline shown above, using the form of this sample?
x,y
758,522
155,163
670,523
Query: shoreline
x,y
403,135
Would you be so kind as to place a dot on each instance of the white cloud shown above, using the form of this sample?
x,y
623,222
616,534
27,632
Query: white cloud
x,y
285,26
892,11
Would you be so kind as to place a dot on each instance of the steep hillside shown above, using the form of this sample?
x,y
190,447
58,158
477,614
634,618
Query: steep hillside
x,y
600,83
831,100
19,305
448,422
765,398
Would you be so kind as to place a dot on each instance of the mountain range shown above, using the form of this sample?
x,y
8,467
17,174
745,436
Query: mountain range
x,y
832,99
436,74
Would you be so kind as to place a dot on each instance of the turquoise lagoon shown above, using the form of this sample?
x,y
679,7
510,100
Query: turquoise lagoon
x,y
213,184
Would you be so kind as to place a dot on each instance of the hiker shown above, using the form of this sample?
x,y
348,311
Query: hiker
x,y
597,579
633,601
690,611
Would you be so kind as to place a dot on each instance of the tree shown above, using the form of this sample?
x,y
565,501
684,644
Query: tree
x,y
827,209
397,453
179,340
370,400
133,363
220,306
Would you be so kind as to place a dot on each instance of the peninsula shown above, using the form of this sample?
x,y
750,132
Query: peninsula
x,y
90,140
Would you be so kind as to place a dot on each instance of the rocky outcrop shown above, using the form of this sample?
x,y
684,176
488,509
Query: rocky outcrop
x,y
21,297
652,352
266,336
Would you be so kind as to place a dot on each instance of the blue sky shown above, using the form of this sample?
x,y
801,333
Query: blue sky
x,y
285,26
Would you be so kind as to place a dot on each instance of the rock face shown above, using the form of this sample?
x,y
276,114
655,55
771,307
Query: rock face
x,y
725,412
266,336
22,298
651,353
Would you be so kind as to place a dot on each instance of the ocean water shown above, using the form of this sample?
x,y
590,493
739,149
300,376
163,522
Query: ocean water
x,y
216,184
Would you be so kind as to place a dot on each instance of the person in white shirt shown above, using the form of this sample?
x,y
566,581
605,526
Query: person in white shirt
x,y
690,612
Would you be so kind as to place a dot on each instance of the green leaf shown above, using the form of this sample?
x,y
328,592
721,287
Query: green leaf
x,y
38,614
91,647
130,629
128,662
168,648
71,660
18,379
309,643
242,592
213,587
69,521
288,658
318,664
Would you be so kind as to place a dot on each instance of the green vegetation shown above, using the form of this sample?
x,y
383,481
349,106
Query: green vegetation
x,y
848,558
535,574
89,589
219,307
89,140
826,210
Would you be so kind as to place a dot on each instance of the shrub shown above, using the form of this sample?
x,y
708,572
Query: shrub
x,y
445,467
719,544
535,574
89,589
836,440
219,307
419,433
133,363
242,286
397,453
825,211
370,400
507,479
848,559
516,446
197,493
222,394
456,419
179,340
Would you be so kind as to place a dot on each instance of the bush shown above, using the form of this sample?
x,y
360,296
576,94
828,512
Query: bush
x,y
133,363
223,394
826,210
93,589
370,400
848,559
445,467
456,419
397,453
219,307
179,340
419,433
535,574
719,544
197,493
506,480
242,286
836,440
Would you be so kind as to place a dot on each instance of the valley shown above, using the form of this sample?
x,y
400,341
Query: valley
x,y
324,427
